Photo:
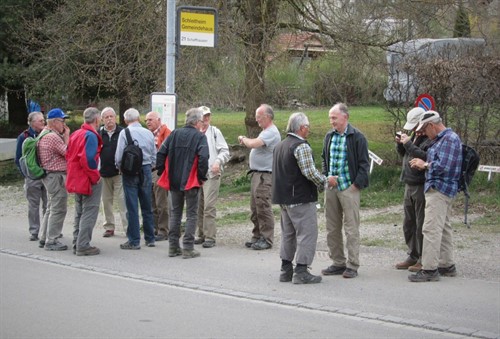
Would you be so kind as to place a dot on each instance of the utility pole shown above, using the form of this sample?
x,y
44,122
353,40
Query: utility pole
x,y
171,47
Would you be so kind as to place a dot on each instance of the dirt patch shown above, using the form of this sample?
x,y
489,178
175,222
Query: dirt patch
x,y
382,241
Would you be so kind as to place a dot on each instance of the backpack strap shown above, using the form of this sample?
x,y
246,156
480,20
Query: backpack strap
x,y
129,137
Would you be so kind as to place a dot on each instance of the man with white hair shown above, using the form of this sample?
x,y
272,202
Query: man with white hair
x,y
35,192
137,188
442,166
184,159
296,182
112,190
159,194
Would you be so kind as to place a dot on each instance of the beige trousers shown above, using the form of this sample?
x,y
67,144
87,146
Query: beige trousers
x,y
437,249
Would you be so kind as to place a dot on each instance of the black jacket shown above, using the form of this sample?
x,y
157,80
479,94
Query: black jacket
x,y
357,156
416,148
181,148
108,166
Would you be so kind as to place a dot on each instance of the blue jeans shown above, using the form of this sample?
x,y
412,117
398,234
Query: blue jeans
x,y
177,207
136,193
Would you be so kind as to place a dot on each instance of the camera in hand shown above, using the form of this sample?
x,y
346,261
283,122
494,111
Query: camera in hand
x,y
398,134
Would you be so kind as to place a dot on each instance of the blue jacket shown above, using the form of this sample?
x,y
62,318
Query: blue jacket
x,y
30,132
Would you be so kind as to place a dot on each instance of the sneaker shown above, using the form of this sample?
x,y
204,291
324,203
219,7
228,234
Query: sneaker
x,y
450,271
88,251
415,268
55,246
174,251
286,273
188,254
41,243
305,277
129,246
208,243
350,273
34,237
161,237
404,265
108,233
261,244
150,244
424,275
199,241
333,270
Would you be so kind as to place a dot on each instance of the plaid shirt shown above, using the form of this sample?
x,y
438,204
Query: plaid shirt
x,y
305,161
445,162
338,161
52,152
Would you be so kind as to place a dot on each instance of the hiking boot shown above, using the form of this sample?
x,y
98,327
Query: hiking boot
x,y
302,276
249,244
188,254
424,275
261,244
59,236
55,246
415,268
174,251
404,265
41,243
286,273
450,271
350,273
199,241
150,244
161,237
34,237
88,251
333,270
108,233
129,246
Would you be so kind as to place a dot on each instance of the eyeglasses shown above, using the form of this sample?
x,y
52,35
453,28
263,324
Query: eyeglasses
x,y
60,120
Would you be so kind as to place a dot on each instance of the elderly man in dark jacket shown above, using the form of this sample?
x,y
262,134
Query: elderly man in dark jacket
x,y
346,164
182,162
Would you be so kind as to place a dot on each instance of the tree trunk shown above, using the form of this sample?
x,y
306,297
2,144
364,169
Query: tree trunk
x,y
257,32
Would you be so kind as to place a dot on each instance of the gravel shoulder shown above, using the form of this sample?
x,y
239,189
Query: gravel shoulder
x,y
382,241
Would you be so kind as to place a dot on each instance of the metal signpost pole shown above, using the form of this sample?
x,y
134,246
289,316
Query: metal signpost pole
x,y
170,60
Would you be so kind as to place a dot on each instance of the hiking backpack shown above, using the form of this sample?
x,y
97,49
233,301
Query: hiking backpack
x,y
132,156
29,162
470,163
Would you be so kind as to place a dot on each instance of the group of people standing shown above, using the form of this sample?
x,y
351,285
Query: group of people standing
x,y
184,167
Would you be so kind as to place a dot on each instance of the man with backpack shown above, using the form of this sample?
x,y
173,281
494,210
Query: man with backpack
x,y
443,166
135,156
84,148
52,153
33,188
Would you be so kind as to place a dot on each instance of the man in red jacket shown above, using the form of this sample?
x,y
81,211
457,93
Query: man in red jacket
x,y
84,180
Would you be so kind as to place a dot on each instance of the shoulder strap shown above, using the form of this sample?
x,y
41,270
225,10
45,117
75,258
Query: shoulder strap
x,y
129,137
42,134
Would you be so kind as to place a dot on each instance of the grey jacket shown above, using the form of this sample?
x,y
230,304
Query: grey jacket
x,y
416,148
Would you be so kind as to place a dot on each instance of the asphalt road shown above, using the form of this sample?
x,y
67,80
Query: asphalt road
x,y
227,292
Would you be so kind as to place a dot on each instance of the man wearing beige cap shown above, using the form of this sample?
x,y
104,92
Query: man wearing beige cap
x,y
209,192
411,145
442,173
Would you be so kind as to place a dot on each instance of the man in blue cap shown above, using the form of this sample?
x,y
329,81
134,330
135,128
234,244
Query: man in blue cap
x,y
52,155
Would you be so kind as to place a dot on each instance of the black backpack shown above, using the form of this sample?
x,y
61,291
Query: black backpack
x,y
132,157
470,163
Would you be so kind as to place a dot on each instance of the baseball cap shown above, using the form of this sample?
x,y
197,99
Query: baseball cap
x,y
413,118
56,113
205,109
429,116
